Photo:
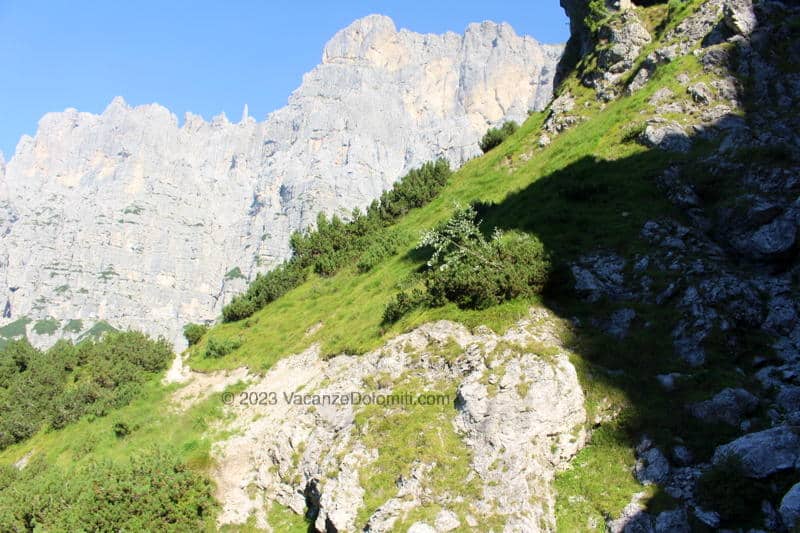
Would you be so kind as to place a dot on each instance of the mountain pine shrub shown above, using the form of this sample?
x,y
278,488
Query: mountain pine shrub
x,y
334,243
495,136
472,271
194,332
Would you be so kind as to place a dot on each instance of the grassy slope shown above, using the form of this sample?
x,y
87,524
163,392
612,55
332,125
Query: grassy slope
x,y
349,305
589,189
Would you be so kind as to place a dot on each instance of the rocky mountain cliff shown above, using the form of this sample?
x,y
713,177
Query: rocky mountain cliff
x,y
654,386
133,219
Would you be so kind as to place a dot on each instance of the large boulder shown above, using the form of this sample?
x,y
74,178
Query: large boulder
x,y
666,135
740,16
790,508
672,522
729,406
626,38
763,453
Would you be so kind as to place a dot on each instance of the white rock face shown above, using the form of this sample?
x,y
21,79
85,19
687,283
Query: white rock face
x,y
517,415
131,218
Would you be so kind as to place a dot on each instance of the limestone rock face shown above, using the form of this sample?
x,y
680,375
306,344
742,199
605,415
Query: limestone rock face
x,y
515,418
136,219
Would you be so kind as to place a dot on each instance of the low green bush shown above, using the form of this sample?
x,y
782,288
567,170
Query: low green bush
x,y
402,303
153,492
216,348
495,136
384,245
334,243
121,429
57,387
241,306
194,332
474,272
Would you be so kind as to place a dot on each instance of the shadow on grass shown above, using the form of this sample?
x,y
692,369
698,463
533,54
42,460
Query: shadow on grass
x,y
601,206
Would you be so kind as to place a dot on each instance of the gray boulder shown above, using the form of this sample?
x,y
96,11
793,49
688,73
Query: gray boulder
x,y
729,406
709,518
600,275
620,322
672,522
788,398
763,453
626,39
770,241
667,136
740,16
652,468
700,93
790,507
633,519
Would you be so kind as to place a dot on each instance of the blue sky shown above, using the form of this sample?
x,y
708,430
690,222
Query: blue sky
x,y
200,56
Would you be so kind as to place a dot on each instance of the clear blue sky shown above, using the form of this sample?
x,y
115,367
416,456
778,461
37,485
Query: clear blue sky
x,y
199,56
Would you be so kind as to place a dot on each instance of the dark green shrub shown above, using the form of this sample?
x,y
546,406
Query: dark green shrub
x,y
402,303
152,492
194,332
216,348
121,430
495,136
274,284
384,245
330,263
240,307
334,244
67,382
597,13
474,272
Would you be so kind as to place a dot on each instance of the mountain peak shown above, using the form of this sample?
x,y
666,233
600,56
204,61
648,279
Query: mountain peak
x,y
360,38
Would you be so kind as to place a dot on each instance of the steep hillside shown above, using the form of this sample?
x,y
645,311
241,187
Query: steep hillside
x,y
131,218
651,384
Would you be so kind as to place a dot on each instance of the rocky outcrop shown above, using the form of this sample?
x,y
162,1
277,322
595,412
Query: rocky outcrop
x,y
145,221
581,38
763,453
729,406
515,417
723,263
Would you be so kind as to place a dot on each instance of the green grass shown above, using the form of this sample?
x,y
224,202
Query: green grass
x,y
47,326
16,328
410,436
234,273
598,484
73,326
285,520
97,330
152,422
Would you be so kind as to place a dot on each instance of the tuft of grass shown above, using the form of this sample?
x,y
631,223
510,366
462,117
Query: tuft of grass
x,y
47,326
597,485
97,330
234,273
406,437
285,520
73,326
15,329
